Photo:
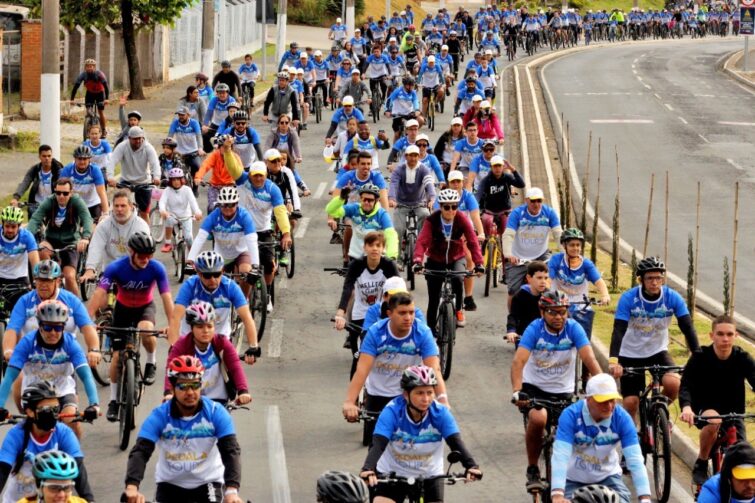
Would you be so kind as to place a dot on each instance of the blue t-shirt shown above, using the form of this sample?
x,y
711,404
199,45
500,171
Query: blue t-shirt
x,y
14,254
711,492
372,315
85,184
23,318
350,179
573,282
228,235
99,152
227,294
468,151
135,285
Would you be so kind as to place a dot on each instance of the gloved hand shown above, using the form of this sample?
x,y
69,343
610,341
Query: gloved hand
x,y
91,413
345,193
4,414
417,267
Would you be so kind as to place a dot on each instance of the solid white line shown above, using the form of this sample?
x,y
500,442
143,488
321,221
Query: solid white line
x,y
621,121
276,457
684,121
320,190
543,143
657,95
276,338
522,131
737,166
703,138
670,108
301,228
727,123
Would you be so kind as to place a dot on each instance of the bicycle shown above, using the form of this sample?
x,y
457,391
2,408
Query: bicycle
x,y
410,242
87,288
431,110
377,99
318,103
91,118
580,371
493,258
8,292
180,248
104,319
290,265
257,304
655,430
131,385
247,99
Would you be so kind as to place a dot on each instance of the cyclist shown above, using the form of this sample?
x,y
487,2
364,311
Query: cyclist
x,y
228,77
480,166
281,100
346,112
68,223
377,69
217,111
39,433
110,238
306,69
168,160
223,377
401,443
88,182
412,188
52,354
338,32
39,180
362,175
246,140
127,120
290,56
177,207
525,306
101,148
712,384
363,141
543,367
736,481
200,456
432,81
341,487
248,73
427,157
379,310
494,193
442,240
466,148
97,90
640,331
283,177
391,346
588,434
196,107
526,236
218,163
444,148
411,135
54,473
205,90
488,123
134,276
18,251
140,167
187,133
401,105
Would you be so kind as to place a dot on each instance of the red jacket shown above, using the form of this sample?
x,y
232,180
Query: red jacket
x,y
433,243
225,350
490,128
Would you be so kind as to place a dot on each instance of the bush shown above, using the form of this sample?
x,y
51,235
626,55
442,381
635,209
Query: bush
x,y
310,12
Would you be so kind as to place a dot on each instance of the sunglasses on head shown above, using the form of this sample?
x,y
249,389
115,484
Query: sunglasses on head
x,y
208,275
185,386
450,207
62,193
51,328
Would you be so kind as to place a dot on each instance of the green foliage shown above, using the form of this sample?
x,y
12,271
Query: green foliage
x,y
311,12
100,13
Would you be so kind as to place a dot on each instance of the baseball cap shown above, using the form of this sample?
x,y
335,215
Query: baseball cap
x,y
488,51
742,472
476,97
431,59
258,168
602,388
412,123
135,132
455,175
457,120
338,20
497,159
423,136
393,285
355,71
348,100
443,47
485,104
357,31
303,55
300,71
318,53
535,193
411,149
182,110
272,153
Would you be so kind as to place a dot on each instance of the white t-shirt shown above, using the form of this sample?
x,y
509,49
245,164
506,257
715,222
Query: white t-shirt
x,y
531,241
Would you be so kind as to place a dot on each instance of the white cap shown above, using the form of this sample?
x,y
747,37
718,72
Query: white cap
x,y
488,51
272,153
444,47
355,71
318,53
392,39
300,71
431,59
394,284
357,31
303,55
348,100
485,104
457,120
497,159
411,149
534,193
453,32
422,136
476,97
258,168
602,388
455,175
402,13
412,123
338,20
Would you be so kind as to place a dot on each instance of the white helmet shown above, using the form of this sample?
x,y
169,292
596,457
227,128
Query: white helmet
x,y
228,195
448,196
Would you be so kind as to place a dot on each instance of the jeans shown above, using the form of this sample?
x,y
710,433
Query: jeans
x,y
615,482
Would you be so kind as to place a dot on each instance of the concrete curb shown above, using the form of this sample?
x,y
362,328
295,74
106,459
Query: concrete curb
x,y
729,61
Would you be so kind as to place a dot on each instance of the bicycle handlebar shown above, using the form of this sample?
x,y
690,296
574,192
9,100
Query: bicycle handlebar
x,y
435,272
726,417
655,370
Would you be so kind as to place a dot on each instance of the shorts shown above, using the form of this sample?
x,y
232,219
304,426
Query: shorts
x,y
533,391
143,198
129,317
427,91
233,264
516,274
399,491
267,253
70,400
397,124
95,99
490,93
95,211
633,385
206,493
67,257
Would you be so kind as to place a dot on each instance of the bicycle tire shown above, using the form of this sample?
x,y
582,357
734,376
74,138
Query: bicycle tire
x,y
258,306
3,362
291,266
237,328
546,457
156,225
181,261
87,287
411,242
498,261
318,107
101,371
661,454
446,333
489,269
271,291
127,406
431,114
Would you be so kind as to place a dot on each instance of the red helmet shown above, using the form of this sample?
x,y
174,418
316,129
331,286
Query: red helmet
x,y
185,367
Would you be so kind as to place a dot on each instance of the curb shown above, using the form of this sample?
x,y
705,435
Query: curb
x,y
736,75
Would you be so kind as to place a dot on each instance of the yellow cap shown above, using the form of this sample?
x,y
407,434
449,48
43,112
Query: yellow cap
x,y
743,472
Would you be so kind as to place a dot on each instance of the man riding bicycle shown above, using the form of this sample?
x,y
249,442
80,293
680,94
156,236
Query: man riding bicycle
x,y
97,90
412,188
432,81
88,182
401,105
18,252
494,194
140,168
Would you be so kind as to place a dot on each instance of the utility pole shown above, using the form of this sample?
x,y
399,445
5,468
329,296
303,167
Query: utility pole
x,y
49,123
208,37
350,18
387,11
280,45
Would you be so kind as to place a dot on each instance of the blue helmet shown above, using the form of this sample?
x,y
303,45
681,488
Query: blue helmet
x,y
46,269
55,465
209,261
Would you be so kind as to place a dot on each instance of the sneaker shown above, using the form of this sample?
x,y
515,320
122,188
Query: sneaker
x,y
347,342
700,472
460,321
167,247
304,126
469,304
112,411
534,483
335,239
150,371
269,306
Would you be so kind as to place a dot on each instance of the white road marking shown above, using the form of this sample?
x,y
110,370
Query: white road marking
x,y
634,71
657,95
705,96
301,228
647,87
282,281
633,65
276,456
670,108
703,138
320,190
684,121
276,337
727,123
522,132
635,61
621,121
737,166
639,78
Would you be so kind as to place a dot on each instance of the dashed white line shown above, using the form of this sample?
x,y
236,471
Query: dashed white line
x,y
703,138
657,95
634,71
737,166
276,338
282,282
728,123
647,87
301,228
635,61
276,456
705,96
621,121
639,78
320,190
684,121
670,108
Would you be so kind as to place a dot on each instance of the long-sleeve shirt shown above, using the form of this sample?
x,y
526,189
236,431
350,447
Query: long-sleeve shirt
x,y
284,143
65,226
231,79
180,203
489,128
218,163
110,240
709,382
137,166
524,310
494,193
362,223
366,284
442,242
412,186
35,177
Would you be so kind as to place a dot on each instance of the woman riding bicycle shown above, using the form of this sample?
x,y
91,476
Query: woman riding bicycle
x,y
54,473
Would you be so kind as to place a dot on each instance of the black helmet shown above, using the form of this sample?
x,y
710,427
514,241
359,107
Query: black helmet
x,y
225,64
240,116
35,393
553,298
595,493
650,264
341,487
294,45
470,80
82,152
141,242
407,80
369,188
169,142
572,233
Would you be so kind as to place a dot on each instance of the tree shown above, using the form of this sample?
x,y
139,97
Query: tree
x,y
131,15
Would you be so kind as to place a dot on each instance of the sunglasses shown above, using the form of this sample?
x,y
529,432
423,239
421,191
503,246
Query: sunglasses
x,y
284,122
368,200
61,193
240,123
420,145
556,312
51,328
537,201
185,386
228,205
144,256
450,207
488,150
58,488
208,275
55,409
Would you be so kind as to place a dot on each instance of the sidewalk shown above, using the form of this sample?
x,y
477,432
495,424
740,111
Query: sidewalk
x,y
734,66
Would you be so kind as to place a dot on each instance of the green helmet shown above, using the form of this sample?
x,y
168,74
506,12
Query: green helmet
x,y
572,233
12,215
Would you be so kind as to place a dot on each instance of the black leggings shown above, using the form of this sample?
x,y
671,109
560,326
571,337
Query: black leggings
x,y
208,493
355,339
435,284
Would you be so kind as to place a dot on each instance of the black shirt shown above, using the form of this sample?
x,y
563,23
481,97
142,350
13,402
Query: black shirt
x,y
524,310
494,194
711,383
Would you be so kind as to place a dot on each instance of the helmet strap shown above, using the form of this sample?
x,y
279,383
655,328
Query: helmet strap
x,y
414,411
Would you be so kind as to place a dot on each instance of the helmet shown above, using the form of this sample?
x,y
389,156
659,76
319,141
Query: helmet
x,y
650,264
341,487
407,80
169,142
90,61
52,311
225,64
418,375
200,313
209,261
240,116
35,393
219,140
283,75
55,465
572,233
82,152
294,45
12,215
553,298
185,367
369,188
595,493
141,242
222,87
46,269
201,76
470,80
176,173
334,48
448,196
228,195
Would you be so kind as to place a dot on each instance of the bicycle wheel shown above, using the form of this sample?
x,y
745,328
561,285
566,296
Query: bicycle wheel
x,y
258,305
431,115
181,262
545,471
489,265
156,225
290,267
87,287
237,328
497,261
411,240
318,107
661,454
127,397
101,372
446,333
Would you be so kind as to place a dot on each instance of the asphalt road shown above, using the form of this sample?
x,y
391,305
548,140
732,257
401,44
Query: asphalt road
x,y
666,108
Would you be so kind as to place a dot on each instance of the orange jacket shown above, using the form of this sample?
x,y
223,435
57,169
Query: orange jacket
x,y
216,163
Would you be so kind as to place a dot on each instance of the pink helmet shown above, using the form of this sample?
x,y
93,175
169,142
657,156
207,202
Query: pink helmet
x,y
200,313
418,375
176,173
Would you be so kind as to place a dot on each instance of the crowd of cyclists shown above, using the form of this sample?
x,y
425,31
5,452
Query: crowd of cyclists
x,y
82,258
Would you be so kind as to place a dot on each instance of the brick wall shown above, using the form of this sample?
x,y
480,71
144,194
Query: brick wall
x,y
31,58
